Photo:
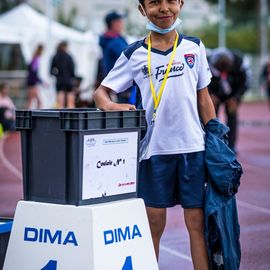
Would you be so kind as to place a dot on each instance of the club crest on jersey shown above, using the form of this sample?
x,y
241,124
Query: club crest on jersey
x,y
190,60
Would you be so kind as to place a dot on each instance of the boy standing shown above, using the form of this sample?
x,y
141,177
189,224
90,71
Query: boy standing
x,y
171,74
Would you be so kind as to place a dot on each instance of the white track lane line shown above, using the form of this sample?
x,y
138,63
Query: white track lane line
x,y
175,253
239,203
6,163
253,207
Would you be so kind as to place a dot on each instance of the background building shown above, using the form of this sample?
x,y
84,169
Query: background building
x,y
86,14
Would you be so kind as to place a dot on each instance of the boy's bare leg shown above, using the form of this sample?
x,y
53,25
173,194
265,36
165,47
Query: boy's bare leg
x,y
157,222
194,219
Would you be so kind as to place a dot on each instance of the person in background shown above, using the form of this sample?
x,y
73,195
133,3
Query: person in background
x,y
265,77
113,44
82,99
63,68
7,109
33,79
228,85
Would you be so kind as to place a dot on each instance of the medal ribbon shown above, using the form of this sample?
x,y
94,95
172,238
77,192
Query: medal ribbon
x,y
160,92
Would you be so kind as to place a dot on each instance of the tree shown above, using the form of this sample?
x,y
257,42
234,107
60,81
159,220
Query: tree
x,y
241,11
243,24
240,5
6,5
244,5
67,19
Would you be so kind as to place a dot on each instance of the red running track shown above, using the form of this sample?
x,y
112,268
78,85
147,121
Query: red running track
x,y
253,197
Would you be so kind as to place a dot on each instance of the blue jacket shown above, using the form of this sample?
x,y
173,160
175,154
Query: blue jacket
x,y
112,46
222,230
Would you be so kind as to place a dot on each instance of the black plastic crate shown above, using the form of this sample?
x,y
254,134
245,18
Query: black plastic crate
x,y
52,150
5,228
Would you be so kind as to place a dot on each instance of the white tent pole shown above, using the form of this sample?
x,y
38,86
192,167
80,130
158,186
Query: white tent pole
x,y
222,24
49,15
263,30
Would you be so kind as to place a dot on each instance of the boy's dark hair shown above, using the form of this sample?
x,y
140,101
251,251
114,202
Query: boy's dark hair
x,y
141,2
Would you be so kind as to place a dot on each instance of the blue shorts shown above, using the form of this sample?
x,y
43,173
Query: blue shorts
x,y
168,180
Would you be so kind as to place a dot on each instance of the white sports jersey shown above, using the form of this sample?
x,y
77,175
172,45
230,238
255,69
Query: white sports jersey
x,y
177,127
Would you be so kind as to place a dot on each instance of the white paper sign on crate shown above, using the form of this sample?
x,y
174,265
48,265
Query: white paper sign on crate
x,y
109,164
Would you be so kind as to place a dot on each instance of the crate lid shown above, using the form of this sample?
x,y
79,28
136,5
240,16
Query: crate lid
x,y
84,119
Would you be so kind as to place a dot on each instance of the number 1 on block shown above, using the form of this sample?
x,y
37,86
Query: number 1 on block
x,y
51,265
128,264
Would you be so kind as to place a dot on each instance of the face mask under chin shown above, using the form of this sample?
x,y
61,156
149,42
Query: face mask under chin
x,y
152,27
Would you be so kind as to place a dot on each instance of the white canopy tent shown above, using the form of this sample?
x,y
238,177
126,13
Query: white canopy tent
x,y
29,28
9,35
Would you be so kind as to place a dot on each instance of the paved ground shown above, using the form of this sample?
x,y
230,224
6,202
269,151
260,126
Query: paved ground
x,y
253,197
10,174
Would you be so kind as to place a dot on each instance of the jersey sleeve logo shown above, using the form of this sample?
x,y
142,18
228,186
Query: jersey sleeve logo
x,y
145,70
190,60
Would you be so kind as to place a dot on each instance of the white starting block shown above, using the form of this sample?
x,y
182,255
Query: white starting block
x,y
108,236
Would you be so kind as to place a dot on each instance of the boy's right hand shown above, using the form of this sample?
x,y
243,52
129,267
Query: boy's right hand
x,y
104,103
120,107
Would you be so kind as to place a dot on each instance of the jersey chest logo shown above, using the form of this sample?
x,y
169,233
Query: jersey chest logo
x,y
190,60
